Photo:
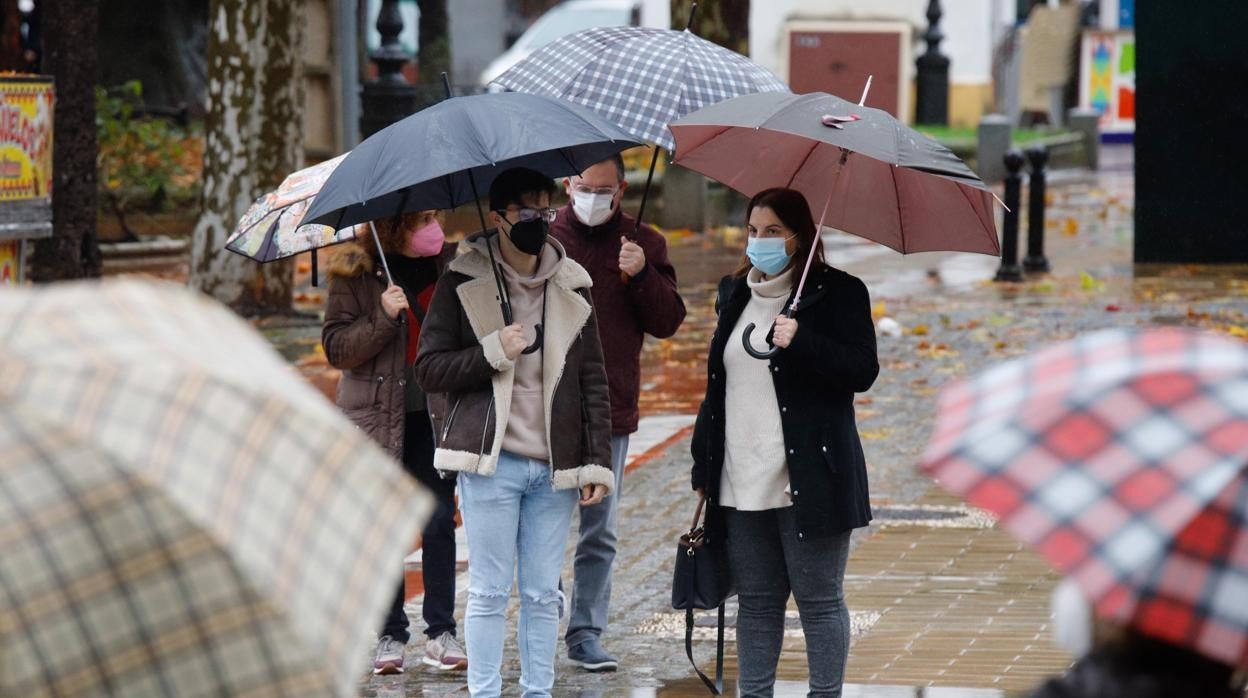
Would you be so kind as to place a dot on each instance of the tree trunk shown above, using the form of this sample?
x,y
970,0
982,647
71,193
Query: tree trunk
x,y
724,22
69,56
434,54
253,134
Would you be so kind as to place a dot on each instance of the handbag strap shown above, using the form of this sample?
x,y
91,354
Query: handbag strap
x,y
697,514
717,686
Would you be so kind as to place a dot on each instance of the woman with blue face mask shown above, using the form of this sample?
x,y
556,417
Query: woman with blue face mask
x,y
776,451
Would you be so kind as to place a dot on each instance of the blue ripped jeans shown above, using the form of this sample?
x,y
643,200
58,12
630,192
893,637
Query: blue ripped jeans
x,y
514,520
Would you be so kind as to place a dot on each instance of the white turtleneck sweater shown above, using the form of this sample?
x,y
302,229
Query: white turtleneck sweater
x,y
755,475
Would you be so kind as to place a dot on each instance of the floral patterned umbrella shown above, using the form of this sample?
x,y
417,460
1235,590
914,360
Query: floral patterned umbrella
x,y
272,228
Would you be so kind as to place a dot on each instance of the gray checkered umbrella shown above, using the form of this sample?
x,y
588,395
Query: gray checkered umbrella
x,y
639,78
180,513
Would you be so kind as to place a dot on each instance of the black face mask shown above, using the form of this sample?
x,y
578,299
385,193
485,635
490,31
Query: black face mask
x,y
529,236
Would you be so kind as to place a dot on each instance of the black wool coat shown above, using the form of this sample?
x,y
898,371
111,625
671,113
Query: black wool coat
x,y
831,357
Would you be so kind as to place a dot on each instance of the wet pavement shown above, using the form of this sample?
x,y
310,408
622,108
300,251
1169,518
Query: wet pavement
x,y
942,603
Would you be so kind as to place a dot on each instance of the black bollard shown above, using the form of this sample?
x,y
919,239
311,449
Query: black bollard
x,y
389,98
1038,157
932,74
1010,270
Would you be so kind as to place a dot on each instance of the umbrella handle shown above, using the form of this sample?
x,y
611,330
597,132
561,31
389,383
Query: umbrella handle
x,y
537,341
749,348
771,348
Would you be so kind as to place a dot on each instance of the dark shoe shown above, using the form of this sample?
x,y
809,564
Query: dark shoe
x,y
590,656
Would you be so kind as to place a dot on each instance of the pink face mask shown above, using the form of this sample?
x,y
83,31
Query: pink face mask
x,y
426,241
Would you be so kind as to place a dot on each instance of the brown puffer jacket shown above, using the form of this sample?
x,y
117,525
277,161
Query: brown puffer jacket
x,y
469,379
367,346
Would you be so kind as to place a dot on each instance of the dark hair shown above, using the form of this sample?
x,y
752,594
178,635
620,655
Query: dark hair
x,y
618,161
1134,666
516,184
791,208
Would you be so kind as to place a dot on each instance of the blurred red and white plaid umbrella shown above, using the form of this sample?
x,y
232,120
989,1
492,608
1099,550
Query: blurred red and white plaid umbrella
x,y
1122,456
180,513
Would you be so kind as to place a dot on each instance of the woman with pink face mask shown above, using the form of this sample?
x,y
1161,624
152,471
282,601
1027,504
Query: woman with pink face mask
x,y
364,337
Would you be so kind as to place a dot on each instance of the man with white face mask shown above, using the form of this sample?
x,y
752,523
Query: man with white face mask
x,y
641,300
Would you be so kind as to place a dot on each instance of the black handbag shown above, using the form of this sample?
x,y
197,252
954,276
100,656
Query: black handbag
x,y
700,582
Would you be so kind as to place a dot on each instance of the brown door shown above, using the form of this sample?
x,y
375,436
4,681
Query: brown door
x,y
839,62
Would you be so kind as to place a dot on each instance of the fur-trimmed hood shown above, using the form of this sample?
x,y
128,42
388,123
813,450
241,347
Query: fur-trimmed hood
x,y
348,261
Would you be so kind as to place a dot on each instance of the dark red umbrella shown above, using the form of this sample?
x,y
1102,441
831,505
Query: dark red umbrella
x,y
868,173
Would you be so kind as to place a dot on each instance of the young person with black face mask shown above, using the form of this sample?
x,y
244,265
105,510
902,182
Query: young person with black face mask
x,y
528,433
596,233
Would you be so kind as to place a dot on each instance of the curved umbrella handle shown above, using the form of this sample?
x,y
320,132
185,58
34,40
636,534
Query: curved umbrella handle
x,y
771,348
749,348
537,341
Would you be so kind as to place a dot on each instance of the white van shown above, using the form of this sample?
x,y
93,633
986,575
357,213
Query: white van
x,y
573,16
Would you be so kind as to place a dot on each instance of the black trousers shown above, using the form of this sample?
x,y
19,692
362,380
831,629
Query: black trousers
x,y
438,539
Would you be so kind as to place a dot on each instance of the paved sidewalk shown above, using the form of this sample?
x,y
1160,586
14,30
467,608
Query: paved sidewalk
x,y
959,602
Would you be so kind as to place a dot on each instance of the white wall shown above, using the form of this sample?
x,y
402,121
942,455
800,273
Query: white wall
x,y
966,24
656,13
476,28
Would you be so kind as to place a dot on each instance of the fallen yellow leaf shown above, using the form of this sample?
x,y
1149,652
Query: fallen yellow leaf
x,y
1089,282
919,330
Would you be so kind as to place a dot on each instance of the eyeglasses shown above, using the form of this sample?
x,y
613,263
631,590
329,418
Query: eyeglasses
x,y
527,215
602,191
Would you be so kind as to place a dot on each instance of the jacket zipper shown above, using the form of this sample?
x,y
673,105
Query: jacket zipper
x,y
446,428
485,428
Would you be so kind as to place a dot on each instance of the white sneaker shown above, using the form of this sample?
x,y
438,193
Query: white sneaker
x,y
445,653
389,658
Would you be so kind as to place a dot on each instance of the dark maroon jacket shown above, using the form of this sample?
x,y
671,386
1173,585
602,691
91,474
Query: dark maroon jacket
x,y
648,304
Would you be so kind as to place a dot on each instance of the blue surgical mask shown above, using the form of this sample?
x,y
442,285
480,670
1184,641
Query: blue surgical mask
x,y
768,255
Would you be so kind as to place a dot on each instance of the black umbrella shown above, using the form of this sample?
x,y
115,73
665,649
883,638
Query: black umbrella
x,y
445,155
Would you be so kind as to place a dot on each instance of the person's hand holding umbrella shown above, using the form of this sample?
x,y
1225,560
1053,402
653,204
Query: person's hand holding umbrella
x,y
393,301
632,257
783,330
512,337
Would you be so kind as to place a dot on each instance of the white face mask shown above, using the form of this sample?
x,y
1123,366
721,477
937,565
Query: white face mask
x,y
592,209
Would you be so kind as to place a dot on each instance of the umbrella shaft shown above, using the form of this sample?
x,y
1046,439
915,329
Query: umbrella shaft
x,y
810,256
381,253
645,193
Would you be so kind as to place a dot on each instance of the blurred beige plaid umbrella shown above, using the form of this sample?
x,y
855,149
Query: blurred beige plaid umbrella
x,y
180,514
